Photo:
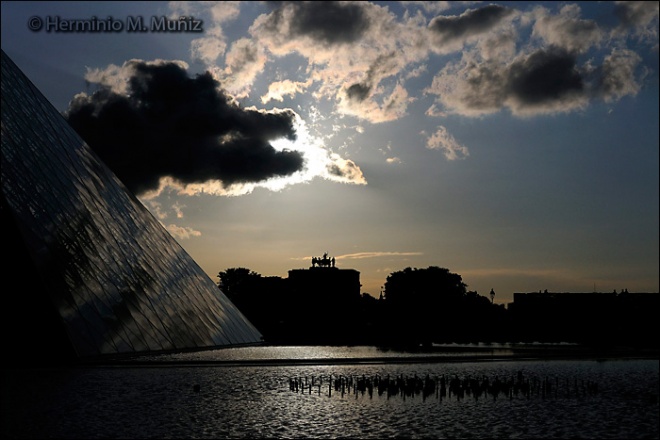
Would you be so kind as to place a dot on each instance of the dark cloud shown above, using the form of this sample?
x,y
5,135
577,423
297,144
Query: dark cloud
x,y
383,65
170,124
471,22
328,22
358,92
544,81
544,76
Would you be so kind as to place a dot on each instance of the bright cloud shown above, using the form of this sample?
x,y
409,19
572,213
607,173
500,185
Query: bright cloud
x,y
376,254
442,140
182,233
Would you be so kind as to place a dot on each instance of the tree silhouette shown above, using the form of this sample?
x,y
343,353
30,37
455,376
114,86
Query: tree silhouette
x,y
265,301
236,280
423,305
423,285
241,287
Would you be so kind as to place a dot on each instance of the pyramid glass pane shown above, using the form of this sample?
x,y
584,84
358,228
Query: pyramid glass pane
x,y
117,280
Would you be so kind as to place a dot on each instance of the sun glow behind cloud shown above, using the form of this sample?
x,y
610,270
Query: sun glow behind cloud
x,y
318,162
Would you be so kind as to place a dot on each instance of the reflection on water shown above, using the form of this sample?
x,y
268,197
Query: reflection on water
x,y
256,401
293,353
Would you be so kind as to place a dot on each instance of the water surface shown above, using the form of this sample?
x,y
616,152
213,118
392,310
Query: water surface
x,y
218,400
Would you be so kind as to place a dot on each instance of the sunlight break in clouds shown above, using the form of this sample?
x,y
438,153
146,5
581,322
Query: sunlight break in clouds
x,y
318,162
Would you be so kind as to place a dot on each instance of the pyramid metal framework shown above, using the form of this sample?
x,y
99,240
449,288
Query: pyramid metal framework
x,y
119,282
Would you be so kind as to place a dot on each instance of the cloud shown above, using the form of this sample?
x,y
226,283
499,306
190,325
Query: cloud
x,y
468,88
178,209
358,92
545,78
156,208
344,170
449,33
358,96
616,76
432,7
279,89
350,48
244,61
542,82
355,102
167,124
566,30
442,140
213,45
638,16
503,67
361,57
363,255
209,48
327,23
181,232
360,54
319,162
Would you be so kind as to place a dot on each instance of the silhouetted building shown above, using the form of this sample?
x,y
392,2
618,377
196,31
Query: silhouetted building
x,y
322,305
93,272
596,318
323,284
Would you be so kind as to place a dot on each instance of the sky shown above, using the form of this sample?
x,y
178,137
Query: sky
x,y
513,143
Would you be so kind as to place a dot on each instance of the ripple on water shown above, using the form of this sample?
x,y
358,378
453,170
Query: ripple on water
x,y
256,402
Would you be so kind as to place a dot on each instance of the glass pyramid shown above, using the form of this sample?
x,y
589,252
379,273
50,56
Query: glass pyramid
x,y
92,261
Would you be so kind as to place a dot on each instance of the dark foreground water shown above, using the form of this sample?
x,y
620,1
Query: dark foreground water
x,y
320,392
